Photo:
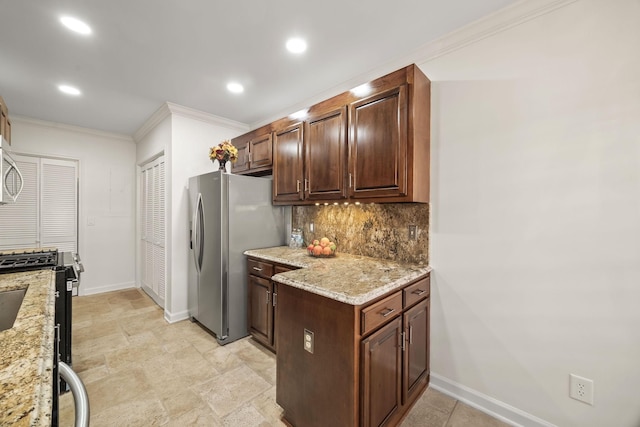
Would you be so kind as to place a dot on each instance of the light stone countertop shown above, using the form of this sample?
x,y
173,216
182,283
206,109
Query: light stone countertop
x,y
351,279
26,351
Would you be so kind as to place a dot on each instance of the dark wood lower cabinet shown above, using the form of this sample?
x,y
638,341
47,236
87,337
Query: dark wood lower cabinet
x,y
416,355
261,309
263,301
381,374
360,371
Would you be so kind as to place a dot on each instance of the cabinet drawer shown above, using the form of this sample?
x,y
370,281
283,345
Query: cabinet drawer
x,y
380,312
414,293
258,268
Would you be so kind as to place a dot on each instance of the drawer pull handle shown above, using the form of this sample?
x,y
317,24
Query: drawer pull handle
x,y
419,292
387,311
267,297
257,268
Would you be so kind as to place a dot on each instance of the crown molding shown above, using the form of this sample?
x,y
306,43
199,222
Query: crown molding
x,y
71,128
169,108
497,22
154,120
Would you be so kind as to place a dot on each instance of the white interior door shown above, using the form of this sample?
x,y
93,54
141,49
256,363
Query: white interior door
x,y
152,226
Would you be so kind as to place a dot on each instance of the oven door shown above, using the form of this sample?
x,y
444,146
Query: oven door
x,y
12,182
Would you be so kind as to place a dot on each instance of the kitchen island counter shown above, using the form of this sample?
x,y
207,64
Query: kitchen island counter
x,y
351,279
26,364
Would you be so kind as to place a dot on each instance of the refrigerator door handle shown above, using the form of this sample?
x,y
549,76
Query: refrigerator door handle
x,y
198,228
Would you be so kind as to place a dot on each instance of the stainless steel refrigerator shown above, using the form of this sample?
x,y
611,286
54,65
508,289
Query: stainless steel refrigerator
x,y
229,214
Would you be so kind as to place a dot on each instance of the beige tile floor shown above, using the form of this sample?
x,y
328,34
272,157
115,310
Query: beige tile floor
x,y
141,371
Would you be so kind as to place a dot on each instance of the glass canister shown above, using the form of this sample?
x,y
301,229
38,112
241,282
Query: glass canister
x,y
296,239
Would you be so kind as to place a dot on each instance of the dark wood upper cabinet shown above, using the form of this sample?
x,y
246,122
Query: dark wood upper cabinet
x,y
326,155
288,164
378,145
355,146
254,153
389,139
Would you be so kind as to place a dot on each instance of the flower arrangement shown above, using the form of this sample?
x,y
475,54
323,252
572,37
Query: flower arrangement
x,y
224,152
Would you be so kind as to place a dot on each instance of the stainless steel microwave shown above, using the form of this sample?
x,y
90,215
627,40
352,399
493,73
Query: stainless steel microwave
x,y
12,181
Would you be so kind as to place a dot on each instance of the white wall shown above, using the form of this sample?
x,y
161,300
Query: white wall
x,y
106,195
535,223
185,136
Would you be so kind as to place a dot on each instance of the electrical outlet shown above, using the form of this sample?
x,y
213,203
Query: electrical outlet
x,y
311,227
581,389
308,341
413,232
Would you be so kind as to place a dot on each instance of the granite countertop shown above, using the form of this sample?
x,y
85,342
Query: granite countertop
x,y
26,351
351,279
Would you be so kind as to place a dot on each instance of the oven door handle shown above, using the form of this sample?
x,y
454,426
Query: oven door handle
x,y
79,392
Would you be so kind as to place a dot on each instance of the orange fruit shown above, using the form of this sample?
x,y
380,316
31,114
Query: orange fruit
x,y
326,250
324,242
317,250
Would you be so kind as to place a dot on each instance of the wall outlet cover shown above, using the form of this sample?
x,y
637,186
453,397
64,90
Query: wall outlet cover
x,y
581,389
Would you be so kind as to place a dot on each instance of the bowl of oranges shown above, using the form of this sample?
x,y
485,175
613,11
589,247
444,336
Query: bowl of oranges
x,y
323,248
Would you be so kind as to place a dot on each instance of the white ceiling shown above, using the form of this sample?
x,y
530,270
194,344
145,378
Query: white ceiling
x,y
143,53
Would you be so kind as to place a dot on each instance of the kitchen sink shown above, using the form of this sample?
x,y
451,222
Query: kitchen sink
x,y
10,302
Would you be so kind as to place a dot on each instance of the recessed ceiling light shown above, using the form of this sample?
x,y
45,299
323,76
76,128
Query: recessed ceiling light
x,y
296,45
69,90
235,87
75,24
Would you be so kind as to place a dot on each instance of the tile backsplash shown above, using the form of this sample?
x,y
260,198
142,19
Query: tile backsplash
x,y
375,230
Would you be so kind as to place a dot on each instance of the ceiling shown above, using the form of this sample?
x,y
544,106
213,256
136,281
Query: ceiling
x,y
143,53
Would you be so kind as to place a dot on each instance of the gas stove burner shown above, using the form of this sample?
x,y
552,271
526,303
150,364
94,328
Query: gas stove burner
x,y
27,259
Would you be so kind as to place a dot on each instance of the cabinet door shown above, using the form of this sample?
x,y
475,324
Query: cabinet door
x,y
378,145
381,374
260,151
242,164
260,309
287,164
326,155
416,355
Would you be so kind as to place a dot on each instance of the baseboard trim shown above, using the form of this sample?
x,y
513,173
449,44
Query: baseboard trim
x,y
487,404
84,291
176,317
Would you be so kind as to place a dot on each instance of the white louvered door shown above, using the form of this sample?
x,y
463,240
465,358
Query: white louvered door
x,y
59,210
46,212
152,225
